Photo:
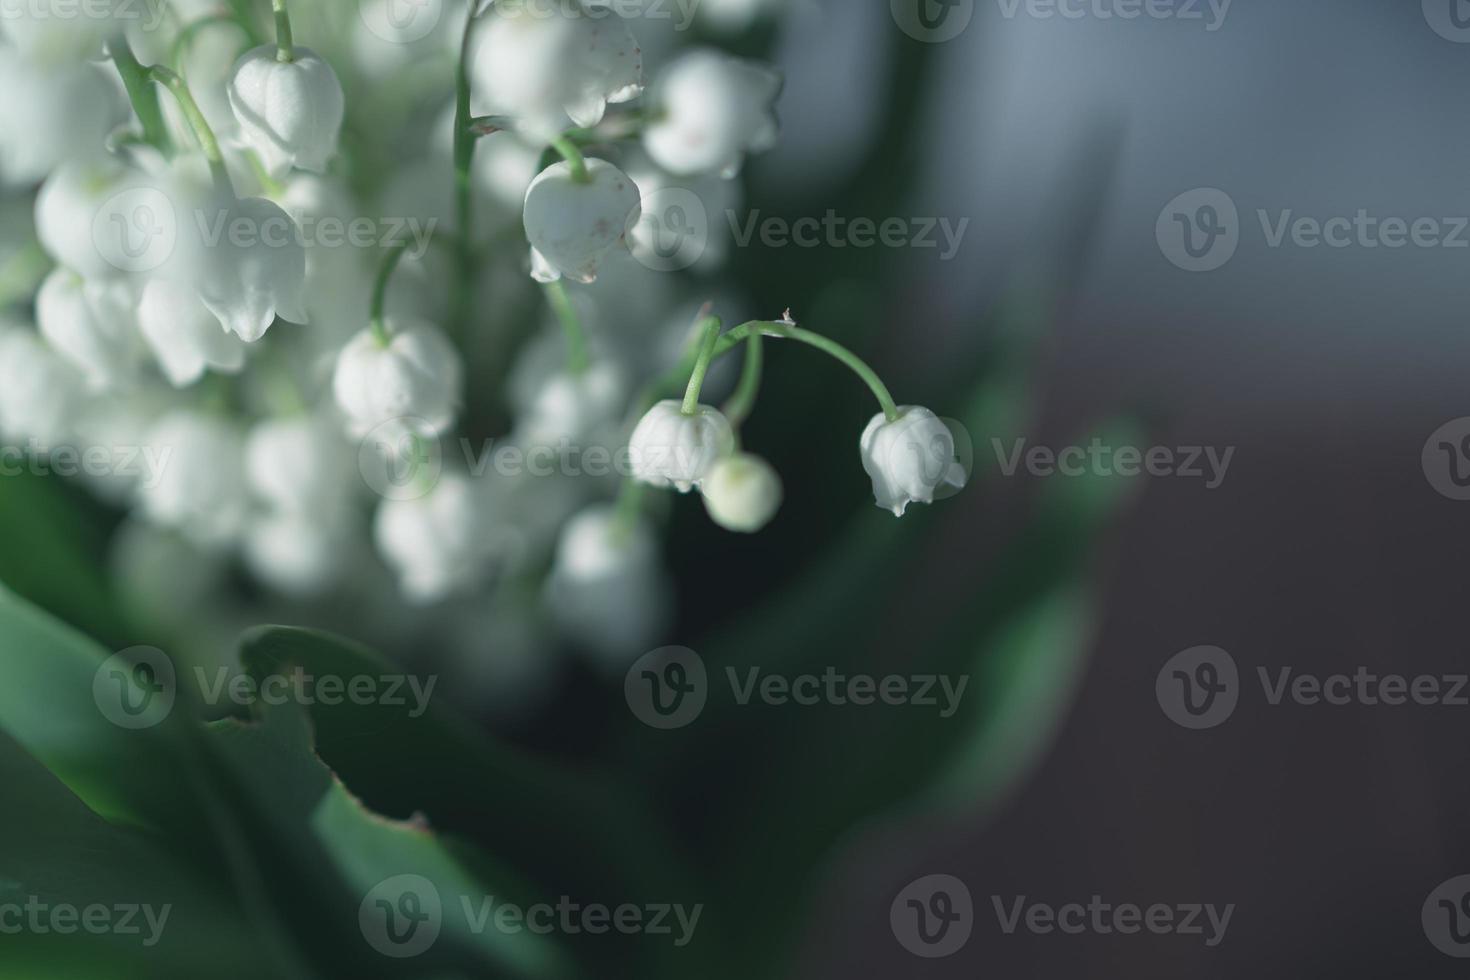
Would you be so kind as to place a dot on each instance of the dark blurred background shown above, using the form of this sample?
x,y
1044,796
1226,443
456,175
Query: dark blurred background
x,y
1325,548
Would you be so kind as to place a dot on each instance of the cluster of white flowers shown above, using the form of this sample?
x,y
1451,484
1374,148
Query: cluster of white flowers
x,y
304,399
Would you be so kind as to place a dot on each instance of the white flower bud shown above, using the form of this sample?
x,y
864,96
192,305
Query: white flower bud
x,y
51,113
909,458
248,282
186,339
91,325
742,493
669,447
572,225
543,67
70,219
607,587
297,464
200,489
39,392
709,110
434,543
298,554
574,406
417,376
289,112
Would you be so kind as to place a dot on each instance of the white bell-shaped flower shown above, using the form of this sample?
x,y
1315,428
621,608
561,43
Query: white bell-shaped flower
x,y
910,458
708,111
290,112
51,112
607,586
40,393
297,554
200,490
434,543
252,266
415,379
91,324
74,219
571,225
669,447
186,339
742,493
574,407
298,465
544,67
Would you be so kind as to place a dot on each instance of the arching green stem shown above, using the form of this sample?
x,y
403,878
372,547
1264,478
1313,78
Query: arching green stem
x,y
202,131
140,92
377,322
285,48
578,357
710,327
464,158
740,405
789,331
574,158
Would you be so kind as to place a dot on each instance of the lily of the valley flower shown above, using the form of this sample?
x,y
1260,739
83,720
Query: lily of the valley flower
x,y
91,324
415,378
185,337
200,487
252,267
295,464
607,586
39,392
574,407
290,112
51,112
543,68
571,225
435,542
71,222
742,493
671,448
910,458
709,111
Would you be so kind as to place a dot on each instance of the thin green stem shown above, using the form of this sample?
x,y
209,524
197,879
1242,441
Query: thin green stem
x,y
711,329
143,96
245,17
202,132
574,158
740,405
578,358
190,31
629,505
285,48
789,331
464,158
377,322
